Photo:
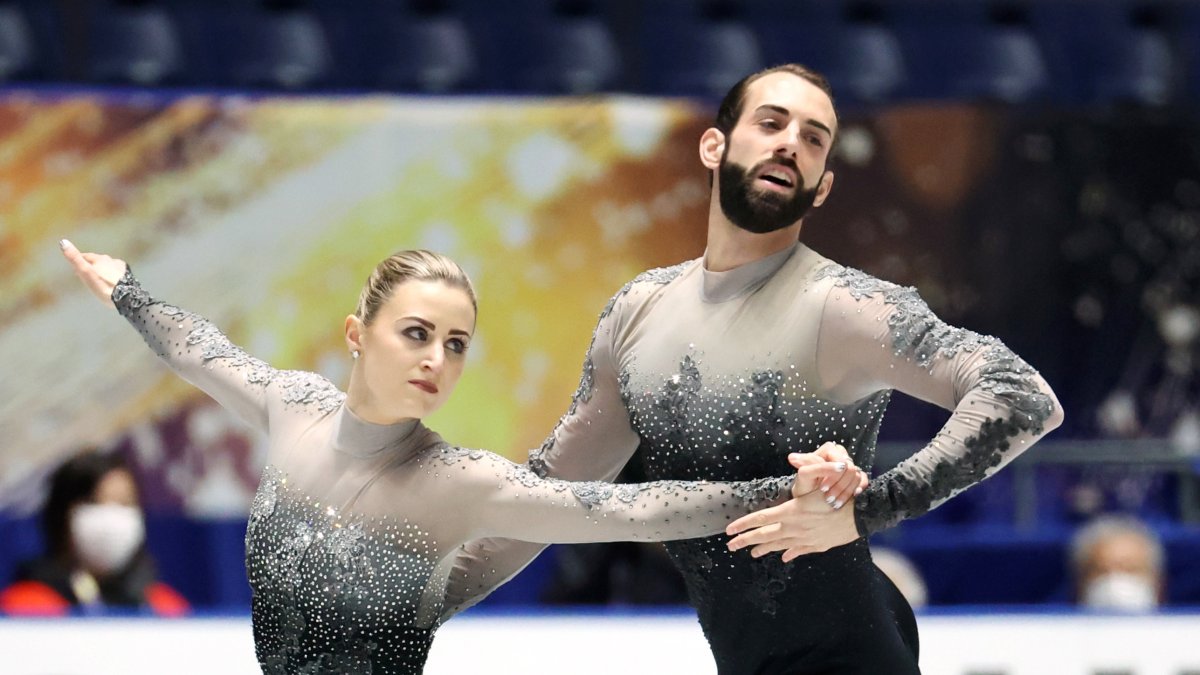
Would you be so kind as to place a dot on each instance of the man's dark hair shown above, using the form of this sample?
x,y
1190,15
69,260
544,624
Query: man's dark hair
x,y
731,105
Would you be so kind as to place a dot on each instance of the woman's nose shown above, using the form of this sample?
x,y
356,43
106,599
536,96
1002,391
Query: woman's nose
x,y
434,359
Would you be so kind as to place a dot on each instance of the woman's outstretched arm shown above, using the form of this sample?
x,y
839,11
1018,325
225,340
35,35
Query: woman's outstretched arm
x,y
189,344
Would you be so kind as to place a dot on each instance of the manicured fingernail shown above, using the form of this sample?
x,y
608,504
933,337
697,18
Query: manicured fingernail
x,y
857,491
837,506
824,488
794,455
840,466
62,243
829,499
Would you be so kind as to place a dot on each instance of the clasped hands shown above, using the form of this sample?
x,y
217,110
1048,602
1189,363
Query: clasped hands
x,y
814,520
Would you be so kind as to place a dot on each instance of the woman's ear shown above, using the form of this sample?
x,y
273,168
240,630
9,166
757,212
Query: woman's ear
x,y
354,330
712,146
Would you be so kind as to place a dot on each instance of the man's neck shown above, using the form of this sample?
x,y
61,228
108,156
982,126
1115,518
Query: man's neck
x,y
730,246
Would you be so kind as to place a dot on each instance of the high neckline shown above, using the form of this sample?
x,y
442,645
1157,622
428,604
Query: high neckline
x,y
357,437
741,280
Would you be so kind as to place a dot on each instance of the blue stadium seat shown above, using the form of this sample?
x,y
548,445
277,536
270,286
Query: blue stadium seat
x,y
133,43
33,42
971,49
1107,51
1186,37
426,54
400,45
271,44
18,54
853,45
281,49
566,55
687,53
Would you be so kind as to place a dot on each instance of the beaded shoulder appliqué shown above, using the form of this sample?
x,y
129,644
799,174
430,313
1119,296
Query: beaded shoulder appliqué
x,y
918,334
295,387
658,276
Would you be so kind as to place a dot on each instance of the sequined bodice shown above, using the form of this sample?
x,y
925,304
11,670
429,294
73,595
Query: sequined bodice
x,y
339,593
695,424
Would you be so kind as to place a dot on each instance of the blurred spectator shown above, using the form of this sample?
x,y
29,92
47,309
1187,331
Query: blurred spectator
x,y
94,534
1117,564
900,570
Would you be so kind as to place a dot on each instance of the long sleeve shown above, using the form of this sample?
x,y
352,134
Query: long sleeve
x,y
592,441
198,352
874,336
510,500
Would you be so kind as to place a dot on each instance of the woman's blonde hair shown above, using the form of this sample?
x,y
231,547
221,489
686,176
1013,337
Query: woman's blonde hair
x,y
410,265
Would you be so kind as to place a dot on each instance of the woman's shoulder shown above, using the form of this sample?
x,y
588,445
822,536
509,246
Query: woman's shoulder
x,y
301,390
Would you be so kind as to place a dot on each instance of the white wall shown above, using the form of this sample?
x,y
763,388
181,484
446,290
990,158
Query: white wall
x,y
582,645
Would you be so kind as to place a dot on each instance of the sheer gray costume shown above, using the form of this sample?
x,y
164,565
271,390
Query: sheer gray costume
x,y
719,375
354,528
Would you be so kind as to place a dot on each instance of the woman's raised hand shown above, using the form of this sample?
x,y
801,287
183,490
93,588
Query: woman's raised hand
x,y
100,273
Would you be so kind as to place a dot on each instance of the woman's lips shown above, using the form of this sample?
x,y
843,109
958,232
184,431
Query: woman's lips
x,y
425,386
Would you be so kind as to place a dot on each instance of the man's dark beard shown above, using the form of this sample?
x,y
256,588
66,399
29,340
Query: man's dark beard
x,y
759,211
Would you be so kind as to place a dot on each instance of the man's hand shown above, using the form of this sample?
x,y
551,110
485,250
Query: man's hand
x,y
813,520
801,525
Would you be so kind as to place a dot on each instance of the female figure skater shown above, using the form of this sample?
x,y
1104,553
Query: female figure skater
x,y
361,510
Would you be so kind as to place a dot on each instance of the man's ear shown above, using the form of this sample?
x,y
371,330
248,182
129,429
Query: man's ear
x,y
824,186
712,147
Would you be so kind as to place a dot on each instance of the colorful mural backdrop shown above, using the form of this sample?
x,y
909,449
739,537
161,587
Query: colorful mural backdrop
x,y
266,216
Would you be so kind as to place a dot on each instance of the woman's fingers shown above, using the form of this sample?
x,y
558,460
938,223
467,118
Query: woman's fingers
x,y
840,490
811,477
99,272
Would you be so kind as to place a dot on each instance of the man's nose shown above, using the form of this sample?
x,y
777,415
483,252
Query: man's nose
x,y
789,141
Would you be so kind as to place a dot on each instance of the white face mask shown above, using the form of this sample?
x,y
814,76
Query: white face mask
x,y
106,535
1121,591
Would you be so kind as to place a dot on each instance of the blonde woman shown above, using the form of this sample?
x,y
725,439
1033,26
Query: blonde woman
x,y
361,510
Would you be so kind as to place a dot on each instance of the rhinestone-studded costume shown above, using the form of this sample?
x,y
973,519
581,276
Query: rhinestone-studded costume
x,y
719,375
354,528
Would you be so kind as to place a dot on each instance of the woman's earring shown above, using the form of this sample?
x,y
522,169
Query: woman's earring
x,y
354,353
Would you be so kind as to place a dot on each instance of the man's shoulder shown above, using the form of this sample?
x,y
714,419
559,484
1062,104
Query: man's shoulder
x,y
858,283
660,276
646,283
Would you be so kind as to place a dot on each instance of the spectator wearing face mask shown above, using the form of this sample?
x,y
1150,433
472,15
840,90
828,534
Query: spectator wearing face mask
x,y
95,556
1117,564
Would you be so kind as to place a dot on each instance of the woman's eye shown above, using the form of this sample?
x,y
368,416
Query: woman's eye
x,y
417,333
457,346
